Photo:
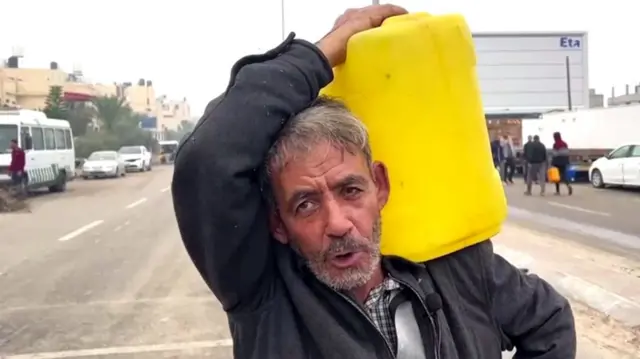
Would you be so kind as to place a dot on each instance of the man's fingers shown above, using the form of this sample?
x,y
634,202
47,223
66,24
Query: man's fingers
x,y
378,13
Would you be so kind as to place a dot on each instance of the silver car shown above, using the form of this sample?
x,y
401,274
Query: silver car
x,y
102,164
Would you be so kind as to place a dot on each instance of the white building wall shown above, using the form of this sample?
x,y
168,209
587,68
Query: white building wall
x,y
526,72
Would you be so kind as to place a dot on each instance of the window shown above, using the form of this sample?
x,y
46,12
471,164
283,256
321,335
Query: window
x,y
38,138
619,153
636,151
67,139
130,150
7,133
60,142
25,138
49,139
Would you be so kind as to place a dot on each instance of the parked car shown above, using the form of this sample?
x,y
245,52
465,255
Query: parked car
x,y
621,167
102,164
136,158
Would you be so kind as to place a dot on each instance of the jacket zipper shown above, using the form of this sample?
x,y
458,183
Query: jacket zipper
x,y
434,324
364,314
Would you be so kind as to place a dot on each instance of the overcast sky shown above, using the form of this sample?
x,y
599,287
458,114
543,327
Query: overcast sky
x,y
187,47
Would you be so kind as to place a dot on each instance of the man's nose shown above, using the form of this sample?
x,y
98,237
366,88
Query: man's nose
x,y
338,223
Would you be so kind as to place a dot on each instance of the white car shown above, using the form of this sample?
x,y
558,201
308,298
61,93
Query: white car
x,y
621,167
103,164
136,158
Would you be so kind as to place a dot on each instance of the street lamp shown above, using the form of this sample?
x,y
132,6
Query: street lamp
x,y
282,19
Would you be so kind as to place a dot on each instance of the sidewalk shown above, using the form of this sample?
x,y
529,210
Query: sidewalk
x,y
605,282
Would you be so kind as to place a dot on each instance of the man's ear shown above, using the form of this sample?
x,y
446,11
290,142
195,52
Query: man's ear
x,y
277,227
381,179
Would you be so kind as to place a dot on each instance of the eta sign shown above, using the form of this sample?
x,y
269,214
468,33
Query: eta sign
x,y
570,43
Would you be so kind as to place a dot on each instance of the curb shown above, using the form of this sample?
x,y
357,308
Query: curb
x,y
622,309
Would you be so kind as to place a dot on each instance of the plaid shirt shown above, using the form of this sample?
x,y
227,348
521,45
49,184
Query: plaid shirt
x,y
377,305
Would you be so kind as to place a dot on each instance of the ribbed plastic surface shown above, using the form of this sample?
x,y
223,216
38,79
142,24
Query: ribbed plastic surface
x,y
413,82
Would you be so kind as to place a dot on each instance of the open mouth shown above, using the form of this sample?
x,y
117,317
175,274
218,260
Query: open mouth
x,y
347,259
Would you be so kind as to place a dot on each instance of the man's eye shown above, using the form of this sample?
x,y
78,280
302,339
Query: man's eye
x,y
352,191
304,206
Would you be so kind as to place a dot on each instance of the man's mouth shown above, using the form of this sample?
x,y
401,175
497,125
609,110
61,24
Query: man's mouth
x,y
346,259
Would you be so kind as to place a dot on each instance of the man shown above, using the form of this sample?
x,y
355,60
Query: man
x,y
299,272
509,154
535,153
16,167
525,166
497,154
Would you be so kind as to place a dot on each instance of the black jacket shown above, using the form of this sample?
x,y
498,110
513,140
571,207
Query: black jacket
x,y
472,304
535,152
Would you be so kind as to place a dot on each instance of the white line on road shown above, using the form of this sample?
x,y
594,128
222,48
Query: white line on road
x,y
165,189
136,203
80,230
125,350
580,209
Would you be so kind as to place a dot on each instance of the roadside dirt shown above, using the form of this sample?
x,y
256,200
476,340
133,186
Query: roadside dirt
x,y
614,340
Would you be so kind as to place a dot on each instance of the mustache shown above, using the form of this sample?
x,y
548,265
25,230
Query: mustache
x,y
347,243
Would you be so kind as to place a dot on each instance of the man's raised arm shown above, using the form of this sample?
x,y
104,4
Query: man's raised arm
x,y
216,192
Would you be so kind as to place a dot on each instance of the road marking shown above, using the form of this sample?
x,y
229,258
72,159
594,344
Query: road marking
x,y
165,189
580,209
222,343
183,300
136,203
81,230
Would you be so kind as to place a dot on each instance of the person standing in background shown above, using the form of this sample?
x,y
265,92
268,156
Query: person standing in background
x,y
535,156
525,165
16,168
509,159
497,155
560,160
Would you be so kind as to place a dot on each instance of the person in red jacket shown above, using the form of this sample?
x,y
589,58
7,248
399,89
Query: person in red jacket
x,y
16,168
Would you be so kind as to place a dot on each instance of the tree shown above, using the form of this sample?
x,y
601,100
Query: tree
x,y
112,111
55,107
79,118
185,126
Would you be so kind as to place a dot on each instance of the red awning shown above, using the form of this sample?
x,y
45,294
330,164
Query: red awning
x,y
77,97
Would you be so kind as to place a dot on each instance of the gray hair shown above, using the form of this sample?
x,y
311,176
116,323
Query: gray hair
x,y
325,120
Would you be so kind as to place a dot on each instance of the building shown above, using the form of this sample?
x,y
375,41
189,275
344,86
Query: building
x,y
173,112
628,98
596,100
28,88
526,74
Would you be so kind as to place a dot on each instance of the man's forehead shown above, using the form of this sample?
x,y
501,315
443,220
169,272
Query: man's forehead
x,y
323,160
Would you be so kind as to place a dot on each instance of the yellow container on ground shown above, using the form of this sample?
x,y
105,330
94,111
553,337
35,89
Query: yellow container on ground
x,y
413,82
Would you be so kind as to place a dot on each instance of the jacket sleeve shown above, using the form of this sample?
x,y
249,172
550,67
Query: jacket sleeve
x,y
221,216
533,317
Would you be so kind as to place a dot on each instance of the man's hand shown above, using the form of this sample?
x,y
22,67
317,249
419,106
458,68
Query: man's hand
x,y
353,21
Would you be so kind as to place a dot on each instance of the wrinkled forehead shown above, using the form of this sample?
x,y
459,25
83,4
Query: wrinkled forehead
x,y
325,162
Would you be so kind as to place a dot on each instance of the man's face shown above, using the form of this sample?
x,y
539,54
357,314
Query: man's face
x,y
13,145
329,204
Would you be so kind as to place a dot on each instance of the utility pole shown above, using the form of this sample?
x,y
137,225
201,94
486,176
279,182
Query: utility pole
x,y
568,70
282,20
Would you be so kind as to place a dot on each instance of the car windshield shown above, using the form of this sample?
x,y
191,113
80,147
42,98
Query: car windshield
x,y
130,150
103,156
169,148
7,133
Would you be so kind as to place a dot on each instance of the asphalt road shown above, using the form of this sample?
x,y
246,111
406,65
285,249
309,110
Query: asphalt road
x,y
100,272
605,218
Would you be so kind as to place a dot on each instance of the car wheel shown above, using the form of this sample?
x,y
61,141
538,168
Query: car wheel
x,y
596,179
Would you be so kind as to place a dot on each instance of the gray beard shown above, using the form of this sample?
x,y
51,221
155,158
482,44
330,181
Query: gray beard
x,y
349,278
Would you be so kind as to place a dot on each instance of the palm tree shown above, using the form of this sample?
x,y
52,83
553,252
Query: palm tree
x,y
111,111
